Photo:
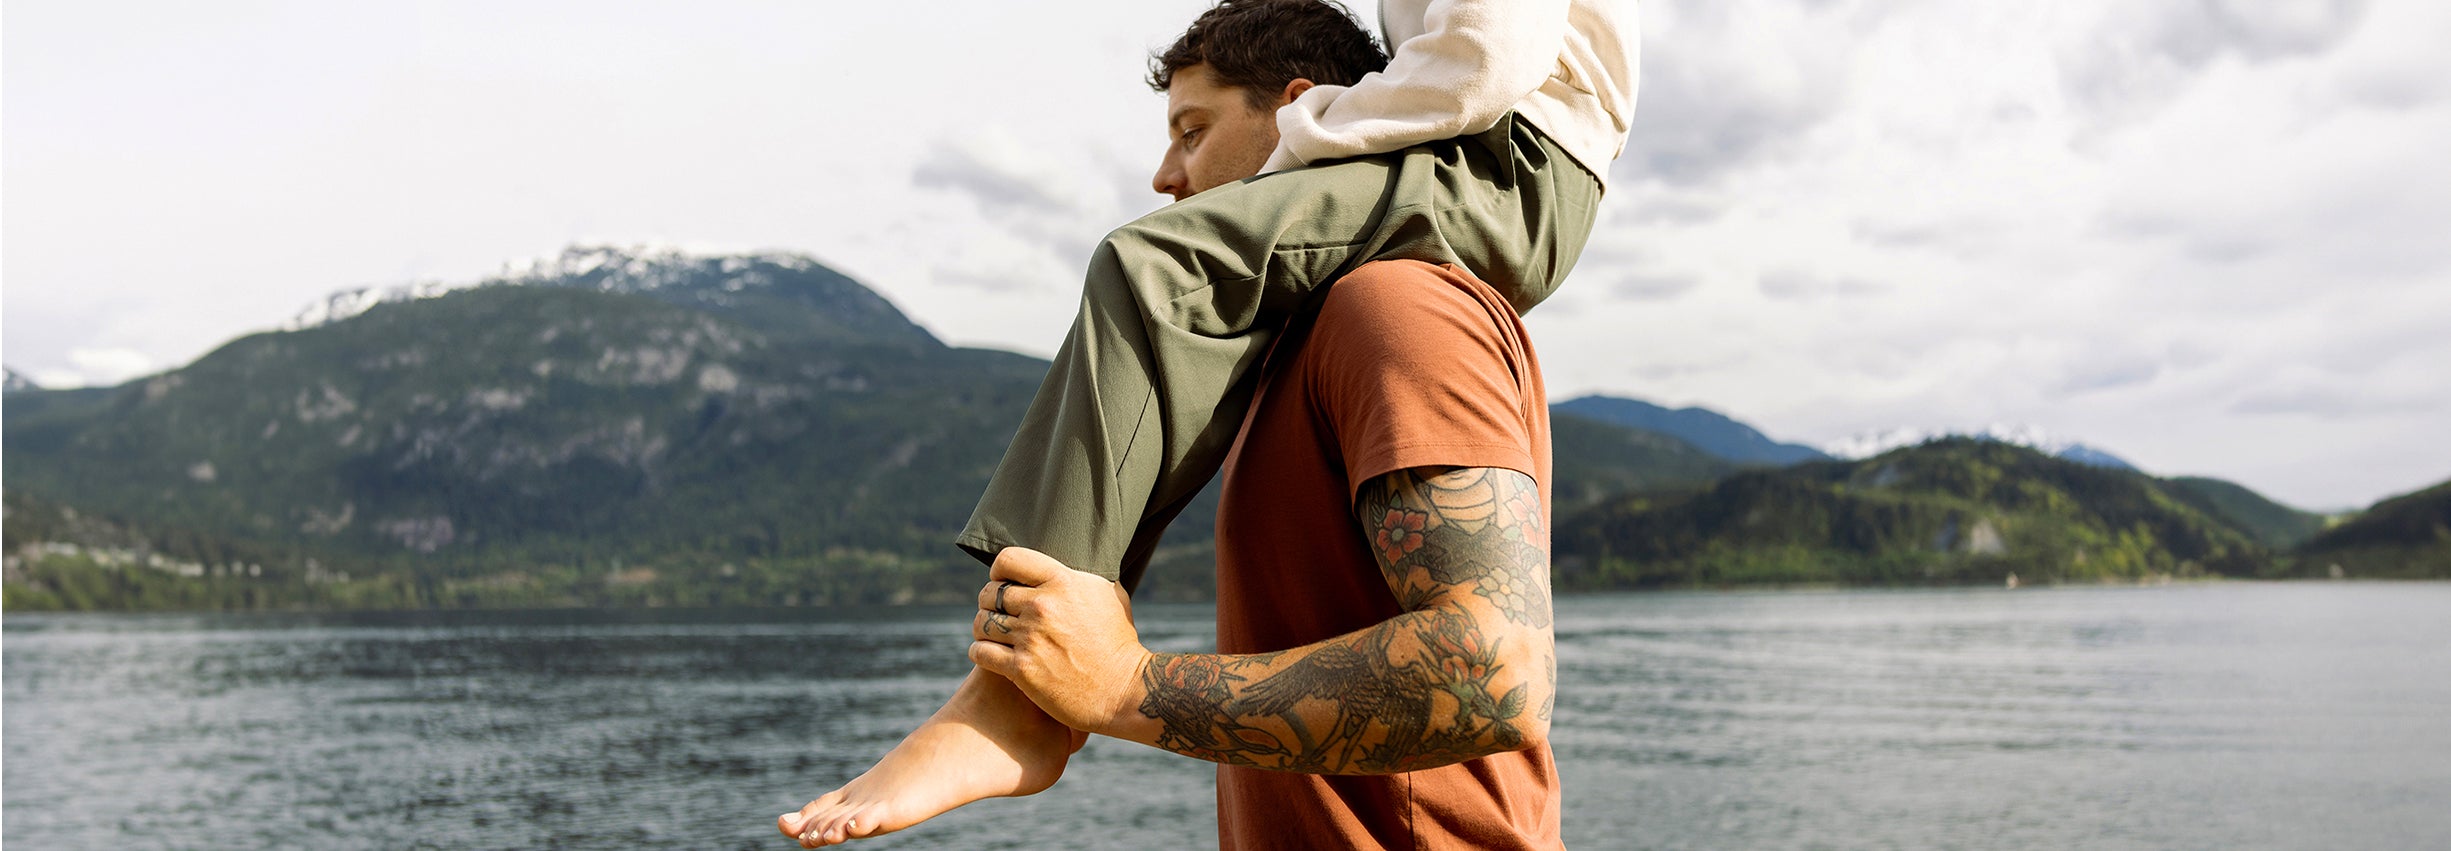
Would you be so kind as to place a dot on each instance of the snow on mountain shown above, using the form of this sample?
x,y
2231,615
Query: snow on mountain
x,y
347,303
2032,437
644,267
610,268
18,382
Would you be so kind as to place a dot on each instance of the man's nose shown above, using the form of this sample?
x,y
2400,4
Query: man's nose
x,y
1168,180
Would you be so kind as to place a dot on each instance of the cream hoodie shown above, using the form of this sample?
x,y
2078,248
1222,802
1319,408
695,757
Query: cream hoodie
x,y
1569,66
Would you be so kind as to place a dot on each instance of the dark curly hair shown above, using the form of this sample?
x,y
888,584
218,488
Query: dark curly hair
x,y
1261,45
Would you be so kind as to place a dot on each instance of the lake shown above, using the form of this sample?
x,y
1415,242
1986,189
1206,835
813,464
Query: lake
x,y
2225,715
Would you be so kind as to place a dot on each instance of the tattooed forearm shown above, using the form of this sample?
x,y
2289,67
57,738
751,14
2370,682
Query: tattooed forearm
x,y
1453,678
1186,693
1417,691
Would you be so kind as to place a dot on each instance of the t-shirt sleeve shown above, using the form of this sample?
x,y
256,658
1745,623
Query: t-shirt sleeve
x,y
1414,368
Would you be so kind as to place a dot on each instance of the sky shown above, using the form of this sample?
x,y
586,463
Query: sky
x,y
2210,236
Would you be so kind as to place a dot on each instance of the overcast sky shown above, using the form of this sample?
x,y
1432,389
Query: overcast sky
x,y
2207,235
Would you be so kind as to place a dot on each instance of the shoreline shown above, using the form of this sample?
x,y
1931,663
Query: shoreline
x,y
916,606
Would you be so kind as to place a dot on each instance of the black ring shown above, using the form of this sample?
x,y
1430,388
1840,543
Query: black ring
x,y
1001,584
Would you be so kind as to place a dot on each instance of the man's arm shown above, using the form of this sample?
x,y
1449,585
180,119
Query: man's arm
x,y
1465,671
1459,675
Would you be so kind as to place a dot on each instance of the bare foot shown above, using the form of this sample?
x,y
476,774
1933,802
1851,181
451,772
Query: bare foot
x,y
988,741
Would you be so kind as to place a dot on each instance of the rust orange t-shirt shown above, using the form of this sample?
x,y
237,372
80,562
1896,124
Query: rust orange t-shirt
x,y
1405,365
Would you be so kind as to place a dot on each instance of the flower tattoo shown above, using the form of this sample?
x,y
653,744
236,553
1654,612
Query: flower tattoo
x,y
1400,533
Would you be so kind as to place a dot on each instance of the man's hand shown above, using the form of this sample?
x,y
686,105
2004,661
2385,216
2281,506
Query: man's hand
x,y
1064,636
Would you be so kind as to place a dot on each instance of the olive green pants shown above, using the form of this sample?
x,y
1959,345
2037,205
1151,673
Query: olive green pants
x,y
1150,386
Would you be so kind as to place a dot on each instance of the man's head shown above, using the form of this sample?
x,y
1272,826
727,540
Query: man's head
x,y
1226,76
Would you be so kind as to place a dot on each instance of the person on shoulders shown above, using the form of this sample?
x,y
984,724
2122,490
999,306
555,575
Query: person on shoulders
x,y
1476,154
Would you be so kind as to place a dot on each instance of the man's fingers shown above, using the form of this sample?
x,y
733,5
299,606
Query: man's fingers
x,y
1025,566
998,627
1004,596
996,658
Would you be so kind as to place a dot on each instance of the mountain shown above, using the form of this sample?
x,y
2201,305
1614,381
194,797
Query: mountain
x,y
2404,537
17,382
1952,510
2031,437
603,427
1713,432
1594,460
608,427
2275,525
618,427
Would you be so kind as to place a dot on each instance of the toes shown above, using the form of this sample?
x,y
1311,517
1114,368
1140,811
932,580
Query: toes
x,y
795,823
861,823
825,827
813,817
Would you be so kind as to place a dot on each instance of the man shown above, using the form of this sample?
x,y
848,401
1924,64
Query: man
x,y
990,739
1385,673
1481,143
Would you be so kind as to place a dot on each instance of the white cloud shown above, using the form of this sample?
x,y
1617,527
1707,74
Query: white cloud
x,y
1003,174
1017,222
1798,284
2191,232
1709,102
2204,234
1640,287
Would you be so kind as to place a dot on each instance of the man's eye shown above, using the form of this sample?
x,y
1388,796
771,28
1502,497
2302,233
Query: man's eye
x,y
1189,136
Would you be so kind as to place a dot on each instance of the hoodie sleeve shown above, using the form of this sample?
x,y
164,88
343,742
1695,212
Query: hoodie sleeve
x,y
1473,61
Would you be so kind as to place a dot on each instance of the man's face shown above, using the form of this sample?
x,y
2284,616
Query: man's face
x,y
1215,135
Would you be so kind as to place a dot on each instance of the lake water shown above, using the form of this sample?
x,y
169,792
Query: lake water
x,y
2229,716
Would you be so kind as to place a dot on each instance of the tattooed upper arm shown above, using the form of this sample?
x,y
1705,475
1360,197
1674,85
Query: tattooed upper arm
x,y
1439,532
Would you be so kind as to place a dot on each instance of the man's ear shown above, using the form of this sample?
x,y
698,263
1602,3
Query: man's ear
x,y
1294,90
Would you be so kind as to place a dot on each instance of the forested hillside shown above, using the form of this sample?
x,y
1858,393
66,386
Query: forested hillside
x,y
666,430
2405,537
606,430
1956,510
619,429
